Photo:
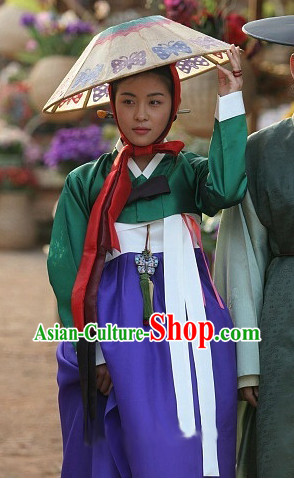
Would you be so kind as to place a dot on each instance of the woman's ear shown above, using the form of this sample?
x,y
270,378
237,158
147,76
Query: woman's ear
x,y
292,64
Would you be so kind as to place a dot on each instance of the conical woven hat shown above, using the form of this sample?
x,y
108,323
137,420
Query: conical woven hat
x,y
130,48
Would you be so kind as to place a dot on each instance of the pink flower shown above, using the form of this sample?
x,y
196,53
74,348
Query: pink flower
x,y
180,10
31,45
46,23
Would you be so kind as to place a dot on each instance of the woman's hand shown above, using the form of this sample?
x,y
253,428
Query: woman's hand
x,y
230,81
103,379
249,394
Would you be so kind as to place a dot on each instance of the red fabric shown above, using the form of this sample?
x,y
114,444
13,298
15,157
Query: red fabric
x,y
101,235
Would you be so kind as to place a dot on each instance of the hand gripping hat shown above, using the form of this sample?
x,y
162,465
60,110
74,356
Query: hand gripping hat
x,y
275,30
130,48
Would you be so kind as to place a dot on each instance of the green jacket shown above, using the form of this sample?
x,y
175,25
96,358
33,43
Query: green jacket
x,y
197,185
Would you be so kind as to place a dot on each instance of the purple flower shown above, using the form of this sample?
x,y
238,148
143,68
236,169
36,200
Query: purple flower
x,y
78,145
79,27
28,20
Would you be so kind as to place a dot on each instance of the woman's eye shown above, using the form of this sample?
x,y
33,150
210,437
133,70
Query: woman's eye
x,y
155,102
127,101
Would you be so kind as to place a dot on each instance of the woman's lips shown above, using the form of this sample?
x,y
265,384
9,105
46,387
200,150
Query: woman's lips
x,y
141,131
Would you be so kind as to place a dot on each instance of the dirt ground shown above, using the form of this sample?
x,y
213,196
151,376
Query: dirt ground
x,y
30,439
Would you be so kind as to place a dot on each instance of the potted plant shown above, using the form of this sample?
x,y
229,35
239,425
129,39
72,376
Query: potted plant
x,y
56,42
71,147
17,182
13,142
17,225
13,36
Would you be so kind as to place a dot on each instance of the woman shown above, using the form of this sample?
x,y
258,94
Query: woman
x,y
164,409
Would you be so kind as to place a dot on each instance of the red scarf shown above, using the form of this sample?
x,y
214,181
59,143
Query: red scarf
x,y
101,235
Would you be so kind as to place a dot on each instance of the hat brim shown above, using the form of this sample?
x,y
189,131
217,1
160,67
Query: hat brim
x,y
130,48
274,30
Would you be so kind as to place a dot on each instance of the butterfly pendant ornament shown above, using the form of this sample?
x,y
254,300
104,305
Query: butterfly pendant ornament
x,y
146,265
146,262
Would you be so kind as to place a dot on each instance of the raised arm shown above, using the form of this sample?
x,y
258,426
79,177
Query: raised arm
x,y
222,181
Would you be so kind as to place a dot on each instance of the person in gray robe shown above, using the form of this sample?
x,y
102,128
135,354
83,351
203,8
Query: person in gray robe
x,y
254,272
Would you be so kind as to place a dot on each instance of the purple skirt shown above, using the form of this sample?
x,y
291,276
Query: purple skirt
x,y
136,432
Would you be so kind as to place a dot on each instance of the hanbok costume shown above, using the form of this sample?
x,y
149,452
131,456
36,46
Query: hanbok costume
x,y
172,409
255,274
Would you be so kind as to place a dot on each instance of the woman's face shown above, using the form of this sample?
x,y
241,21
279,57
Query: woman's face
x,y
143,106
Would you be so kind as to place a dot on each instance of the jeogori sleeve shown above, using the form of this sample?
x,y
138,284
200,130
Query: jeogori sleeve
x,y
66,245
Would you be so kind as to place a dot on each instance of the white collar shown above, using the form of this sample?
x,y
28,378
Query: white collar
x,y
147,172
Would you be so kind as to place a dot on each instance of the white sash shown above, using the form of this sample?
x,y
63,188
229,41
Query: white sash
x,y
183,298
